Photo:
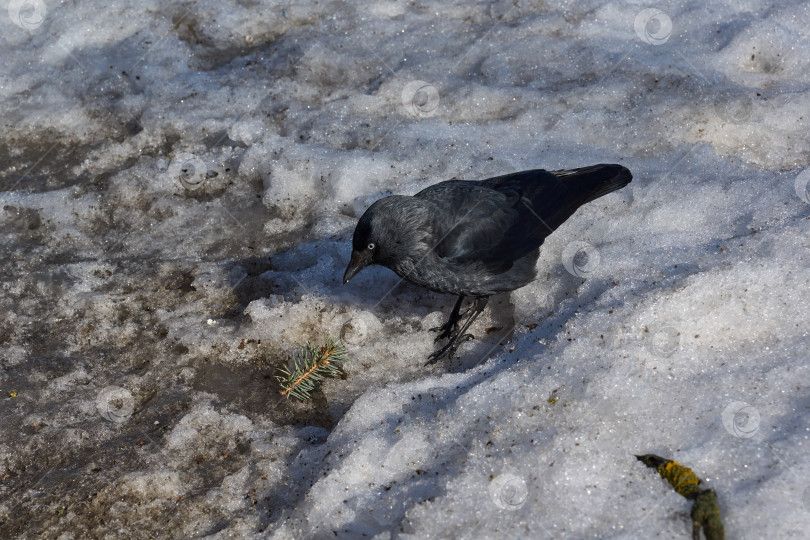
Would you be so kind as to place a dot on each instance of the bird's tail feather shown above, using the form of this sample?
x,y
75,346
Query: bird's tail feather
x,y
596,180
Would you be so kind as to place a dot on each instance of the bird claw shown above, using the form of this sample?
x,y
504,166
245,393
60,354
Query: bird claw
x,y
448,350
447,330
455,334
441,353
445,334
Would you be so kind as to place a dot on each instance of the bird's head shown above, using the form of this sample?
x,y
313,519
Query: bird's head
x,y
385,233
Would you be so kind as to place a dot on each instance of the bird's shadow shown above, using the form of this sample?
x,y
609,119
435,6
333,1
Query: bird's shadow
x,y
548,318
296,272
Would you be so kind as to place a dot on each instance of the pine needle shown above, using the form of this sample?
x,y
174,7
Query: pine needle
x,y
309,368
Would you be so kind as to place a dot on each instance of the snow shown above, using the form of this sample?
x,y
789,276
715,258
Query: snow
x,y
178,188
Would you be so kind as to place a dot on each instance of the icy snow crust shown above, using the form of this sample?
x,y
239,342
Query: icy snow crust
x,y
178,187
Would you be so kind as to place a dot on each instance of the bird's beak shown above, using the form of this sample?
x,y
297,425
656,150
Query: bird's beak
x,y
358,262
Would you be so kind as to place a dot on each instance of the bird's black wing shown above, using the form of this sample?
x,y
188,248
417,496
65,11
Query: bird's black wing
x,y
502,219
471,218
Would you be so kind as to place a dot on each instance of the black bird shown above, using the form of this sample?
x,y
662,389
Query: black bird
x,y
474,238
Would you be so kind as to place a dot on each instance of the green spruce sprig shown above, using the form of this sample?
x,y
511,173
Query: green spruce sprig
x,y
310,367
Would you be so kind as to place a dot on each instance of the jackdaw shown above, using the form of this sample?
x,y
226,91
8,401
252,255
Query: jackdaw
x,y
474,238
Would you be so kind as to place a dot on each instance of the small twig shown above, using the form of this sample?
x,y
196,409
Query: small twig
x,y
705,510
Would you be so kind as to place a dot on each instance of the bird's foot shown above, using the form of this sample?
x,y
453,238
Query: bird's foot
x,y
446,330
450,328
448,350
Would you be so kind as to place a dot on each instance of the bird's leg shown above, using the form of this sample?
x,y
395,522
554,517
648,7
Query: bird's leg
x,y
459,336
451,325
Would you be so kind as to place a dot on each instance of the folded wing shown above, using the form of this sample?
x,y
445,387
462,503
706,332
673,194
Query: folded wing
x,y
497,221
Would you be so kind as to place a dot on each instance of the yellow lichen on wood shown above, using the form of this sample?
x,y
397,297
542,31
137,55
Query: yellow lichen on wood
x,y
705,510
681,478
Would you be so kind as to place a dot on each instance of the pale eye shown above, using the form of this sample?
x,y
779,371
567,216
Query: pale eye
x,y
371,246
